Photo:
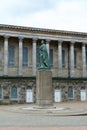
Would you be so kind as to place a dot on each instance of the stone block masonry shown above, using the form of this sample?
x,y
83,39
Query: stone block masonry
x,y
44,91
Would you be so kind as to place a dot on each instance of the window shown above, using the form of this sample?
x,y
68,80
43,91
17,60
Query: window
x,y
83,88
37,57
75,58
51,58
25,56
14,92
63,58
0,92
86,59
29,87
70,92
11,56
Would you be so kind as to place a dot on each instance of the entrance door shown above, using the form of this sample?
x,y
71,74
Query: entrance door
x,y
83,95
57,95
29,96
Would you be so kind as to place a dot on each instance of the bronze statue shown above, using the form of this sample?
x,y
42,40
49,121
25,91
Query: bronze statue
x,y
43,54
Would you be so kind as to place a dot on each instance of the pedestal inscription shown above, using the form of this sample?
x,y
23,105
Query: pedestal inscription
x,y
44,93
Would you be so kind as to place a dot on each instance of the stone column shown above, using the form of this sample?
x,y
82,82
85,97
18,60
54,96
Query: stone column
x,y
60,59
6,56
47,45
83,60
72,59
20,55
34,57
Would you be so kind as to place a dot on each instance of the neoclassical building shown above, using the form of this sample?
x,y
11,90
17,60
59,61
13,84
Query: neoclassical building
x,y
19,56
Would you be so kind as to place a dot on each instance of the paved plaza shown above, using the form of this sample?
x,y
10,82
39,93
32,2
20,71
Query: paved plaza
x,y
70,116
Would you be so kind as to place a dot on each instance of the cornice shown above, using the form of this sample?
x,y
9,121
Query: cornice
x,y
42,30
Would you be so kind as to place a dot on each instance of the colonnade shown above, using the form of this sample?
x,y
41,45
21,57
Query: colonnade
x,y
34,46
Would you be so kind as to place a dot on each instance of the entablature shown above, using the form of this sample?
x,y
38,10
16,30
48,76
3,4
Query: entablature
x,y
78,37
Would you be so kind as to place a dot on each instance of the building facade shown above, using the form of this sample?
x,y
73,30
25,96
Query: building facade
x,y
19,57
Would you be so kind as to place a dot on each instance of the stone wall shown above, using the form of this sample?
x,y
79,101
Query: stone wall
x,y
77,84
23,84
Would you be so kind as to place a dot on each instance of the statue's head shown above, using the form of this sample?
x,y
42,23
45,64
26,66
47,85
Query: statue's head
x,y
43,42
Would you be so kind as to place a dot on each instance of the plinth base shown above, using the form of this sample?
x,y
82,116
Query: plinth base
x,y
44,92
45,107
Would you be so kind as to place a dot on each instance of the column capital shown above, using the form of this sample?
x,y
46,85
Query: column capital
x,y
84,43
6,37
72,42
20,38
60,41
48,40
34,39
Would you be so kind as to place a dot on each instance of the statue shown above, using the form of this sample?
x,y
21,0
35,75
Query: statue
x,y
43,54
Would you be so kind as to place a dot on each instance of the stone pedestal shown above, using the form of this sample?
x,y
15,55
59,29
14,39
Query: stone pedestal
x,y
44,92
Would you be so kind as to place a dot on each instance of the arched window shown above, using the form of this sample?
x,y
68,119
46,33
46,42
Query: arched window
x,y
70,92
0,92
14,92
29,87
57,87
83,88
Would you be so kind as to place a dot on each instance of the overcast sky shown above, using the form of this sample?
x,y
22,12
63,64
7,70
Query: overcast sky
x,y
53,14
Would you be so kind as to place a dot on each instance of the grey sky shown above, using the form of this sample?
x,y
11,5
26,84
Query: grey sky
x,y
54,14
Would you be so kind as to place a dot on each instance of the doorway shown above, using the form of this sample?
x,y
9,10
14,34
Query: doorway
x,y
29,95
57,95
83,94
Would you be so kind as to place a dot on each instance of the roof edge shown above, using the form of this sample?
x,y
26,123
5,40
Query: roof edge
x,y
42,29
